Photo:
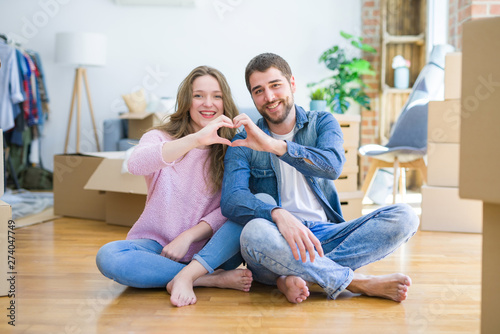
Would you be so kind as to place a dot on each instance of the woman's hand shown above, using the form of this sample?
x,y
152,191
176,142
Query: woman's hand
x,y
208,135
175,149
178,248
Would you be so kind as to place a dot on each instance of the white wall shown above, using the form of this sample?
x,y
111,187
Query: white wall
x,y
157,47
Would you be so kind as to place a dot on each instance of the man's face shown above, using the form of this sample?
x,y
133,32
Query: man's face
x,y
272,94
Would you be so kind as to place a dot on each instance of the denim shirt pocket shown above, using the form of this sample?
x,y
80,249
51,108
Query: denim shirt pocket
x,y
263,180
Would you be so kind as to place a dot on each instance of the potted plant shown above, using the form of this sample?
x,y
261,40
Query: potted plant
x,y
318,100
345,84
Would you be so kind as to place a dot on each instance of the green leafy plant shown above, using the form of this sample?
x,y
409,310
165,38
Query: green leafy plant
x,y
346,80
318,94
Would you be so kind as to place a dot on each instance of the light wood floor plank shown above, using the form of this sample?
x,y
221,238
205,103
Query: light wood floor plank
x,y
60,290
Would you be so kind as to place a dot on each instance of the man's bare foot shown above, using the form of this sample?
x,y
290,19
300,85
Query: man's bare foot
x,y
294,288
393,286
238,279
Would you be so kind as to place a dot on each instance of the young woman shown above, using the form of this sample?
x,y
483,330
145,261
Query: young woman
x,y
182,162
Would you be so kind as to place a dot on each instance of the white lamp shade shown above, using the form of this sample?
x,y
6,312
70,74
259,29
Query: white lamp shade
x,y
86,49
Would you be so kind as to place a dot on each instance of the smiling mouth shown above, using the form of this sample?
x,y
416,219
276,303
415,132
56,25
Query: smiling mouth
x,y
273,105
207,113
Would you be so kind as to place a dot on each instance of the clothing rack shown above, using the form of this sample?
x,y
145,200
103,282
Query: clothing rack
x,y
24,108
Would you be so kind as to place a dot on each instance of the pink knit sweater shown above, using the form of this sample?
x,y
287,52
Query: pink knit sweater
x,y
178,196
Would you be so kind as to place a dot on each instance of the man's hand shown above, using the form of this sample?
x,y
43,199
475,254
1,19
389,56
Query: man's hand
x,y
257,139
178,248
297,235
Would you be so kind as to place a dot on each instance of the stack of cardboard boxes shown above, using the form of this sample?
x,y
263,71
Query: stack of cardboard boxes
x,y
5,227
442,209
347,184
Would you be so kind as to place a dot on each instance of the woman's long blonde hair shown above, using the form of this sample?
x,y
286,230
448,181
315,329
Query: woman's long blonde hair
x,y
178,124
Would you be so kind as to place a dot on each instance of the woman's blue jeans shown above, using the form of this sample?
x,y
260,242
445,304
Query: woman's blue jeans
x,y
347,247
138,263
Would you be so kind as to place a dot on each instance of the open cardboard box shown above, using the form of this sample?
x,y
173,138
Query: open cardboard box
x,y
92,186
125,193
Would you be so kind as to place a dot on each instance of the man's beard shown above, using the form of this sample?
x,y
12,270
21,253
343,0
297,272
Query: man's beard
x,y
288,104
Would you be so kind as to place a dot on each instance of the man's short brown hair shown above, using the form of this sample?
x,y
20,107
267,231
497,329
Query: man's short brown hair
x,y
265,61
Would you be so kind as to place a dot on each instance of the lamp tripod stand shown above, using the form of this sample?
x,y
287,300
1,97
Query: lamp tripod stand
x,y
80,75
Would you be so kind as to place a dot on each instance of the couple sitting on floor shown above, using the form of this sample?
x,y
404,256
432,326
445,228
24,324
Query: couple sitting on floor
x,y
264,195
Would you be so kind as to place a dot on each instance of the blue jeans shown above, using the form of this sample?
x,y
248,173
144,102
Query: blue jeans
x,y
138,263
347,247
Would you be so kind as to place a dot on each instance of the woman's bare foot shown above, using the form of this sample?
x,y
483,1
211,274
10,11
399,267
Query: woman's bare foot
x,y
181,291
393,286
294,288
181,286
238,279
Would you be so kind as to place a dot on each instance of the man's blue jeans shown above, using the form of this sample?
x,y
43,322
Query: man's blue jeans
x,y
138,263
347,247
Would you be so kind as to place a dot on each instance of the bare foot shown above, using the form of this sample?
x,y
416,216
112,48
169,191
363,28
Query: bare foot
x,y
294,288
393,286
181,292
238,279
181,286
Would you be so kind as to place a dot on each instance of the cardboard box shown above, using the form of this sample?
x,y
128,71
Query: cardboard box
x,y
71,173
453,76
351,204
479,154
351,156
490,303
348,180
479,131
443,164
125,193
444,121
443,210
139,123
5,217
349,124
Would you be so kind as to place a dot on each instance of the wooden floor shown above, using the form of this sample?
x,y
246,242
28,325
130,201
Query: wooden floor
x,y
60,290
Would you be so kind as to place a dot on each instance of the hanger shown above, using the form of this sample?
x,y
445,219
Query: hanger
x,y
4,37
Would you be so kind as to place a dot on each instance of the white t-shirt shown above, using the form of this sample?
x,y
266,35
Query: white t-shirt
x,y
296,196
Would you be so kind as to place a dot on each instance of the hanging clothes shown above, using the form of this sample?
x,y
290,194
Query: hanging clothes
x,y
24,104
10,89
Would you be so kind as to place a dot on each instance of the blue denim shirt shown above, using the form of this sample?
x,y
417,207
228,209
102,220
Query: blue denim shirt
x,y
248,172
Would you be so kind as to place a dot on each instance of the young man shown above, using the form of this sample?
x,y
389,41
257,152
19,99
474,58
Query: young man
x,y
295,235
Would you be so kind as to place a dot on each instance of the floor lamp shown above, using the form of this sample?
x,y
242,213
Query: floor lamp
x,y
82,50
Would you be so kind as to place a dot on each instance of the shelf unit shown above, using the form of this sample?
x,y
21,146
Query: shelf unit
x,y
404,31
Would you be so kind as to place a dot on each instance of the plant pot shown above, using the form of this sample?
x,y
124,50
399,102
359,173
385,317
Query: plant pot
x,y
318,105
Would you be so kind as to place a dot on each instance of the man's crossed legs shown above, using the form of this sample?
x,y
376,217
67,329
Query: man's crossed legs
x,y
347,247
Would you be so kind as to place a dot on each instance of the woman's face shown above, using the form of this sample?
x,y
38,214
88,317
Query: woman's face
x,y
206,103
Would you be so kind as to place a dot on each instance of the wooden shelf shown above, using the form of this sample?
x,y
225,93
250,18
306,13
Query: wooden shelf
x,y
418,39
403,33
393,90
